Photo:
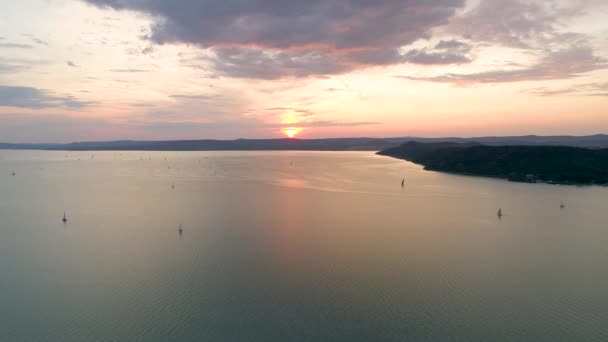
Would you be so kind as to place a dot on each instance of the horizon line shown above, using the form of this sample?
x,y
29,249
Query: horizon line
x,y
308,139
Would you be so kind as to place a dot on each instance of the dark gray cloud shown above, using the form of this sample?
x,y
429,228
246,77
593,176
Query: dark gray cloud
x,y
274,38
561,64
33,98
270,39
445,52
340,24
453,45
259,63
426,57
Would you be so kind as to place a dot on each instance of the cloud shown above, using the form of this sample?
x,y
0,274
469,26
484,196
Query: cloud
x,y
147,50
263,64
129,70
15,45
516,23
445,52
299,111
252,62
341,24
271,39
36,39
424,57
549,92
34,98
587,89
14,65
195,97
141,105
531,27
561,64
39,41
11,68
328,123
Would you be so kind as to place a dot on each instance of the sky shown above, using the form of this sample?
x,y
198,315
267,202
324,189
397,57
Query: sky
x,y
91,70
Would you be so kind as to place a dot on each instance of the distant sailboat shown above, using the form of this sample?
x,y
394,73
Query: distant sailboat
x,y
65,218
173,186
13,173
499,214
403,183
180,230
562,205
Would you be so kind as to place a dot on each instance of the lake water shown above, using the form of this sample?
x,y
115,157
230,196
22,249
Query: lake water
x,y
292,246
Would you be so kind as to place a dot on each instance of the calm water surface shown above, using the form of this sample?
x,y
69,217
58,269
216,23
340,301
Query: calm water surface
x,y
292,246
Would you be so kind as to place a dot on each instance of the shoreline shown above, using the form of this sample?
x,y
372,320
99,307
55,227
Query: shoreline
x,y
524,164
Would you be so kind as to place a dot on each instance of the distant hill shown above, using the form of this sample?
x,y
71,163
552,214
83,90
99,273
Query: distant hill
x,y
554,164
335,144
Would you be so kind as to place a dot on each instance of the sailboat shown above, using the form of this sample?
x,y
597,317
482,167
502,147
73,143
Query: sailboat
x,y
403,183
13,173
499,214
180,230
562,205
65,218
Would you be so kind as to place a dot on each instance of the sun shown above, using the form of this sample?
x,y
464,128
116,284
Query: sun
x,y
291,132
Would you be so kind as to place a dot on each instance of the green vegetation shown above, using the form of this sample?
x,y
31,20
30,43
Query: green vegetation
x,y
553,164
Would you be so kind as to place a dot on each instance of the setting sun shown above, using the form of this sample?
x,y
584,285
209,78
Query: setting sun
x,y
291,132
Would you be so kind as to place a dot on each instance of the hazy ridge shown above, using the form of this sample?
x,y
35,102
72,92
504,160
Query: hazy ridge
x,y
331,144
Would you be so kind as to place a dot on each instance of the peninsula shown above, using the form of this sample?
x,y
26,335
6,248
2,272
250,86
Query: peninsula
x,y
551,164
